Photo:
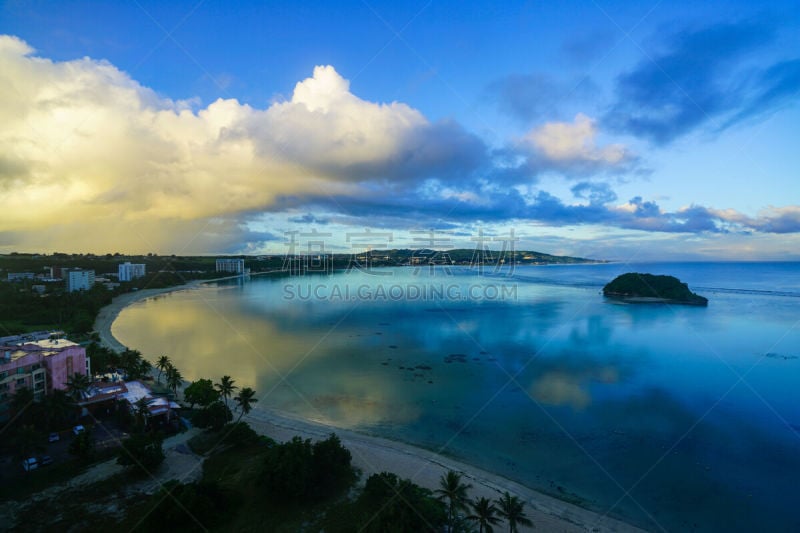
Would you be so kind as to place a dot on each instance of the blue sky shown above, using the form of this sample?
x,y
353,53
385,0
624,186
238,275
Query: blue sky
x,y
614,130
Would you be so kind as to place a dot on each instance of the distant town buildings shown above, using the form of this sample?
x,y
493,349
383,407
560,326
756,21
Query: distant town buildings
x,y
56,272
130,271
79,280
16,276
234,266
41,365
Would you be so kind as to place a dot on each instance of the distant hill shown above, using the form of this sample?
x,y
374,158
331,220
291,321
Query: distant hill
x,y
466,256
197,266
648,288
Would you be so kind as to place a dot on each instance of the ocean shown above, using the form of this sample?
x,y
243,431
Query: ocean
x,y
673,418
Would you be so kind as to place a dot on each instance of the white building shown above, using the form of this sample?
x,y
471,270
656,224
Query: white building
x,y
129,271
16,276
79,280
236,266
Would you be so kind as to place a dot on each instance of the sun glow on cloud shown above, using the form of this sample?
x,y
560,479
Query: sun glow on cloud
x,y
91,160
86,147
564,141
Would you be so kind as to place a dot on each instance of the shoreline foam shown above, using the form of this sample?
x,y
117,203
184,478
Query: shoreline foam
x,y
375,454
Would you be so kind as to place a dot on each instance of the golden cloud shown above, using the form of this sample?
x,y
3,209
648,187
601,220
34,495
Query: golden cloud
x,y
89,154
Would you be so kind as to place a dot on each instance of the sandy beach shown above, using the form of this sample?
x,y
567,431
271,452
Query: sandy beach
x,y
373,454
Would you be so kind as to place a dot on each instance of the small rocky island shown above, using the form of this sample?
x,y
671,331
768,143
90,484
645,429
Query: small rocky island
x,y
648,288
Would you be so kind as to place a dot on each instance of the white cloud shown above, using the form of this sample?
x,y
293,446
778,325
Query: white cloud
x,y
574,143
83,145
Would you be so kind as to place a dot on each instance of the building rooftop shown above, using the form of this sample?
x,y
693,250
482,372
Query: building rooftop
x,y
53,343
27,337
155,404
13,351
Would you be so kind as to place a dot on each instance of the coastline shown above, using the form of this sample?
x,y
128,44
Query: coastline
x,y
375,454
108,314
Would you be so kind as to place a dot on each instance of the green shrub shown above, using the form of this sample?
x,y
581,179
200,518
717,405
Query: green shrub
x,y
297,470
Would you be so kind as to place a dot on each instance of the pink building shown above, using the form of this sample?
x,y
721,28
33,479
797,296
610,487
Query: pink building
x,y
41,365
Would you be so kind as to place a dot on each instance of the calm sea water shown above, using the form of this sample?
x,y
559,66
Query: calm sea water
x,y
673,418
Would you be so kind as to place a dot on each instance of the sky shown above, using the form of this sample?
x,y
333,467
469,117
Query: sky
x,y
612,130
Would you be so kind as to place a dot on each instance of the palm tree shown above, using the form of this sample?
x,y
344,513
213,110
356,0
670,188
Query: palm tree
x,y
455,492
77,385
245,400
512,509
484,514
162,363
174,379
141,412
226,387
145,367
57,408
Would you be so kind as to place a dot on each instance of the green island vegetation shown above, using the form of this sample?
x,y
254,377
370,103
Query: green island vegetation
x,y
33,304
247,482
648,288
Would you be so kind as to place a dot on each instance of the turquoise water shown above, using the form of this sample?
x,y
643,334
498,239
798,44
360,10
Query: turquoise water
x,y
673,418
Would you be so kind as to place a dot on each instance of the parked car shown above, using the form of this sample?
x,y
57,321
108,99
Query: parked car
x,y
53,437
77,430
30,464
45,460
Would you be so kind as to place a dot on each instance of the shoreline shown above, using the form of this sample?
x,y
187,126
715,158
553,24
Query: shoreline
x,y
373,455
108,314
376,454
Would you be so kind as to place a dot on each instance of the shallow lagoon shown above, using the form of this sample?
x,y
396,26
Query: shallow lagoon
x,y
666,416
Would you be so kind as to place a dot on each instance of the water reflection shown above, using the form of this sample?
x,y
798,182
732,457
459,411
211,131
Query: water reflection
x,y
554,389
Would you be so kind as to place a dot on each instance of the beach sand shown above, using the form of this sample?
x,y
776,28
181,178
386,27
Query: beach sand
x,y
374,455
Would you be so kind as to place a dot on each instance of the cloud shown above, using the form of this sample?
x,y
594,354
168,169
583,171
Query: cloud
x,y
526,97
92,161
85,146
489,205
702,76
771,220
330,131
308,218
571,147
775,86
596,193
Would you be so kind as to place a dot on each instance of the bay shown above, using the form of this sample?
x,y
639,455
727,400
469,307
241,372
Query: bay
x,y
670,417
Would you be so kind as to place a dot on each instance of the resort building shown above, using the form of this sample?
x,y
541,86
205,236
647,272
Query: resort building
x,y
40,365
234,266
79,280
108,396
130,271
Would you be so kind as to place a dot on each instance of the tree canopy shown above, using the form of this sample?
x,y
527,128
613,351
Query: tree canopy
x,y
201,392
636,285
